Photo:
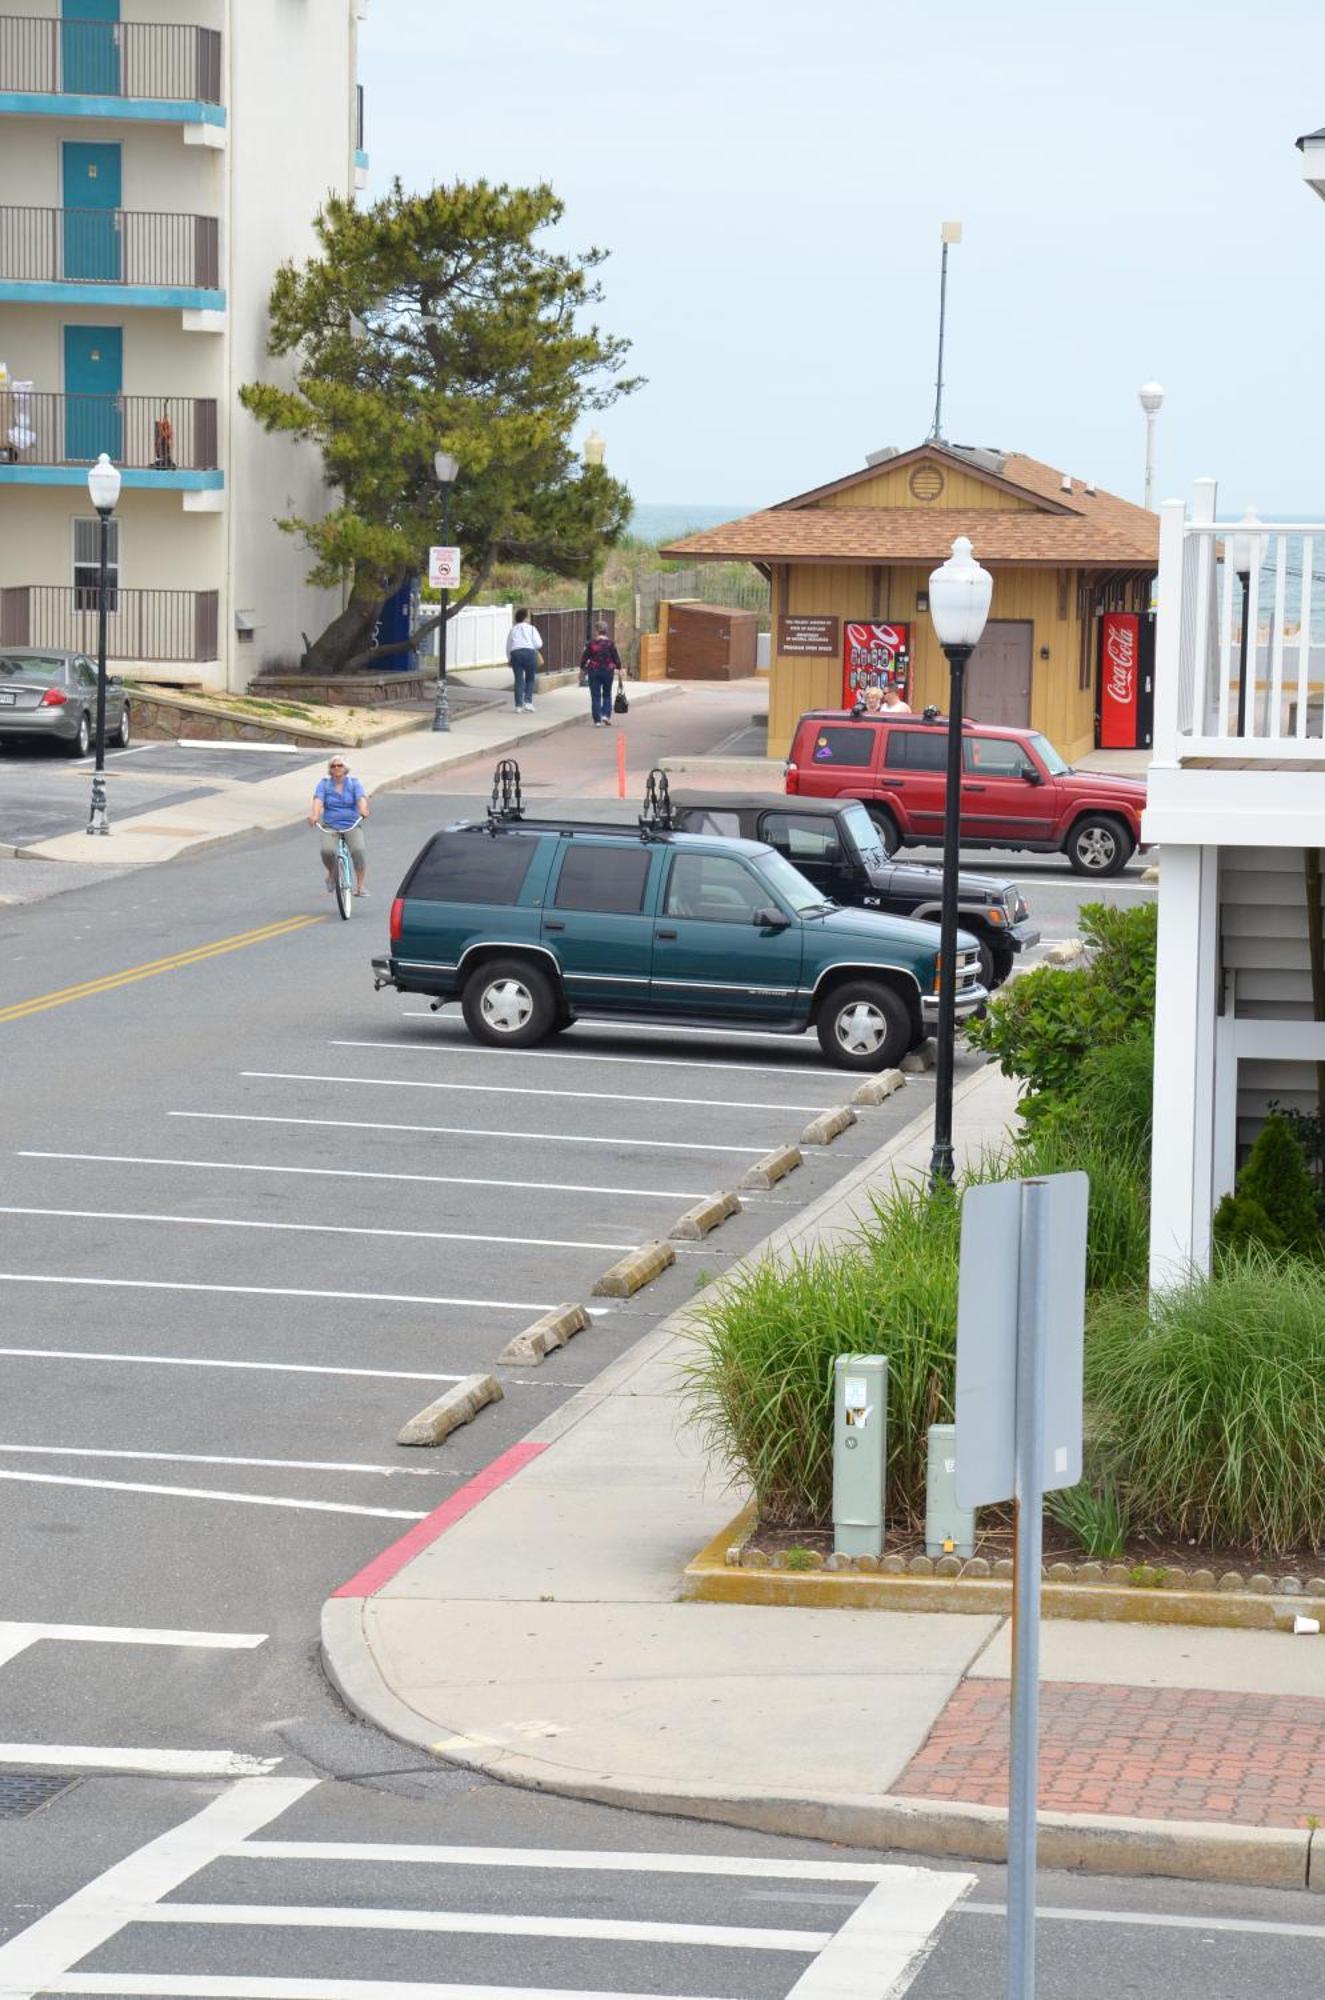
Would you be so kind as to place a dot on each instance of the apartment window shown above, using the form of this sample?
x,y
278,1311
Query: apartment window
x,y
87,563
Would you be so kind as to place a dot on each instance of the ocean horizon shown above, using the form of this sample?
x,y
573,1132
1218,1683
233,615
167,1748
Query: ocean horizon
x,y
664,520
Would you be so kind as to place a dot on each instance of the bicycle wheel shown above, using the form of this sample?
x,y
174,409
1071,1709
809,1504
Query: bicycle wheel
x,y
344,880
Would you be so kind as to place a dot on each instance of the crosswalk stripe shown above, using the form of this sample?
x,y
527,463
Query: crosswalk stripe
x,y
486,1923
174,1986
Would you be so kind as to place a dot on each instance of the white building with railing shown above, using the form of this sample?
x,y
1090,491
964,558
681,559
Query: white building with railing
x,y
1236,802
158,160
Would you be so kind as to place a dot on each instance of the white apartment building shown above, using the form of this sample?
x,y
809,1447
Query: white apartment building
x,y
158,160
1236,798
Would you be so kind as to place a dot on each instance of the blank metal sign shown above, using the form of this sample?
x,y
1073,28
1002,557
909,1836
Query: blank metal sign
x,y
989,1309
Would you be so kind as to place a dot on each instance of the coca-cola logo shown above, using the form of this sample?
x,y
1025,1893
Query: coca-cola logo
x,y
1120,660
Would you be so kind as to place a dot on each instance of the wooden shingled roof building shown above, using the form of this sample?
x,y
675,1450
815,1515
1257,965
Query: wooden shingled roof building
x,y
849,563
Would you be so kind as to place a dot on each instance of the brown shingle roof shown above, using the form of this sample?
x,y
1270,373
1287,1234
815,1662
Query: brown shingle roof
x,y
1094,529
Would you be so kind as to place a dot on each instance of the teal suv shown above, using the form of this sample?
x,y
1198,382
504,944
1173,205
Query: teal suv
x,y
532,924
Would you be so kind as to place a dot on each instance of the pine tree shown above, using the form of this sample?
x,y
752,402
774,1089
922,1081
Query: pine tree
x,y
1277,1177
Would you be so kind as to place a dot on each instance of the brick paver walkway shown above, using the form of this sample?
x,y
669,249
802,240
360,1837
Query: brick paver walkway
x,y
1147,1753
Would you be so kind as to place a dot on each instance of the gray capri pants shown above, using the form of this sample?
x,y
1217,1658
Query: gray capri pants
x,y
354,838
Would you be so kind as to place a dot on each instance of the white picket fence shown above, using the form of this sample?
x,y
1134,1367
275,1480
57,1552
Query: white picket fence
x,y
475,637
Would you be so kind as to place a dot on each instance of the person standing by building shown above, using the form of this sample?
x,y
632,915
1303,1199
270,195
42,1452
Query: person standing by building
x,y
524,650
600,662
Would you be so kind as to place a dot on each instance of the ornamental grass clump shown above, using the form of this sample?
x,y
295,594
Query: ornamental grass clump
x,y
1209,1407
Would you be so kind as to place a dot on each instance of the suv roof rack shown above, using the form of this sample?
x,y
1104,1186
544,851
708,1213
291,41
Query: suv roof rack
x,y
657,814
507,801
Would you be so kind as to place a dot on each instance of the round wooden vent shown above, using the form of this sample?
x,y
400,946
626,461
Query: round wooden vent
x,y
926,481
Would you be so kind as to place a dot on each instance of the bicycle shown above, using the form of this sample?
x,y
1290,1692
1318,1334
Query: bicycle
x,y
343,875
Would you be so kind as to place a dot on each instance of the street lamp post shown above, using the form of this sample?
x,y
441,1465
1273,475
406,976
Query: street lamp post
x,y
1150,395
445,469
1247,554
103,484
594,451
959,595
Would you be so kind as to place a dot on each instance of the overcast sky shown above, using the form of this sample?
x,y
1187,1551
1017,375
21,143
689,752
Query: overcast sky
x,y
770,176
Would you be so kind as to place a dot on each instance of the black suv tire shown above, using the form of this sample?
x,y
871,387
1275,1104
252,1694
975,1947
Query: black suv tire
x,y
1099,845
864,1024
509,1004
886,828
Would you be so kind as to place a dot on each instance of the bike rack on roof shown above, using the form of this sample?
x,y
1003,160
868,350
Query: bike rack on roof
x,y
507,801
657,814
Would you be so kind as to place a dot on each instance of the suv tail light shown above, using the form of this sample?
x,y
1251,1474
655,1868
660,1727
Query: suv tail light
x,y
793,777
53,698
397,918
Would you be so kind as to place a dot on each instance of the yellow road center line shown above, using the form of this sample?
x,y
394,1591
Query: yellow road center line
x,y
88,988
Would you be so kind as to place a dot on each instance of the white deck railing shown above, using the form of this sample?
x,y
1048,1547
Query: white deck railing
x,y
1213,701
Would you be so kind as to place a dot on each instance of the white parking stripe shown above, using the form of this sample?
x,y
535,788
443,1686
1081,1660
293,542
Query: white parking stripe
x,y
484,1923
15,1639
208,1458
750,1149
278,1292
524,1090
193,1361
360,1173
313,1228
208,1493
454,1047
154,1763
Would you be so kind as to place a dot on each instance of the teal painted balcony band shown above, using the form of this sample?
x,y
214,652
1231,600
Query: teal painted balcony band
x,y
63,292
157,110
361,160
76,475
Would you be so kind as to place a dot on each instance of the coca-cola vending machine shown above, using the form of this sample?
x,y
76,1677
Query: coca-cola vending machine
x,y
1125,687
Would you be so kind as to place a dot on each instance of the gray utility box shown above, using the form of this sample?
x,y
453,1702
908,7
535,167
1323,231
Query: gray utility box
x,y
949,1529
860,1452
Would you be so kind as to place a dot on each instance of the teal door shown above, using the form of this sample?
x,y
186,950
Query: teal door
x,y
90,46
93,378
91,212
597,921
709,954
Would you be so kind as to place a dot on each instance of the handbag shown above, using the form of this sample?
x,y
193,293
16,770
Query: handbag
x,y
621,706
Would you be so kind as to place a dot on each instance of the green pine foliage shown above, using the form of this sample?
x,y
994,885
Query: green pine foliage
x,y
442,321
1242,1224
1277,1177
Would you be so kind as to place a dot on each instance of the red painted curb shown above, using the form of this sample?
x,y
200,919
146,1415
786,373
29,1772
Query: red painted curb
x,y
370,1579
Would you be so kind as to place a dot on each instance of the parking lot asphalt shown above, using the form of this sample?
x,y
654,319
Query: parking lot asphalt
x,y
44,793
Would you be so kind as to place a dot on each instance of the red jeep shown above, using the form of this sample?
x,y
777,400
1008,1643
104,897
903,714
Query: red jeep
x,y
1016,789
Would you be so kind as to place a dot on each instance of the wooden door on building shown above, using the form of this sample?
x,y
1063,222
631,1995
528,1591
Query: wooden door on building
x,y
998,679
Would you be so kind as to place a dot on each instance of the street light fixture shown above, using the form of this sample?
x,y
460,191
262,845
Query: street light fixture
x,y
446,470
1246,553
593,453
959,595
103,485
1150,396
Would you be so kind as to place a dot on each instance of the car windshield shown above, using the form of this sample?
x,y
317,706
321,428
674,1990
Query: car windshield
x,y
864,835
788,883
16,668
1048,756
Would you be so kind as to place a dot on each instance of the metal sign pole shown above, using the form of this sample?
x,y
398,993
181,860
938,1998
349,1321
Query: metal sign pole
x,y
1032,1334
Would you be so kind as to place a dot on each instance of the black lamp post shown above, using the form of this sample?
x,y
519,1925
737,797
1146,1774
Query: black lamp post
x,y
593,453
959,595
103,484
445,469
1247,553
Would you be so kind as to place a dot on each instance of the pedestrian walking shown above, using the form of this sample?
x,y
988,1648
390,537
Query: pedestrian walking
x,y
524,650
600,663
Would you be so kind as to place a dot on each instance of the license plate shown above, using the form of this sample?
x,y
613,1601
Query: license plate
x,y
7,698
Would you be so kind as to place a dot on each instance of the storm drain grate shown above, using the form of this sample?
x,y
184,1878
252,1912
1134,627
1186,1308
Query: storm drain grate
x,y
24,1792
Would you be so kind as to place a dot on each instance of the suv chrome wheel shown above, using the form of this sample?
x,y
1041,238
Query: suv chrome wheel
x,y
1099,845
509,1003
507,1006
864,1024
861,1030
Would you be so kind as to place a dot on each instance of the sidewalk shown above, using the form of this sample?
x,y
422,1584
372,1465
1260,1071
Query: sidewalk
x,y
531,1629
236,808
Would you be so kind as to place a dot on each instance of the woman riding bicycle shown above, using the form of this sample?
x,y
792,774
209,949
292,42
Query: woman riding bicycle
x,y
339,803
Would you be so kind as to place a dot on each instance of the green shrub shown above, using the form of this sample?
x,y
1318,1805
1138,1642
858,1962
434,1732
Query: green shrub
x,y
1095,1515
1042,1027
1209,1407
1118,1223
1277,1176
1241,1224
1111,1096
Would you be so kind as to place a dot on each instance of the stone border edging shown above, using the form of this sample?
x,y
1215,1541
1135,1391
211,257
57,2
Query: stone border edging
x,y
1096,1843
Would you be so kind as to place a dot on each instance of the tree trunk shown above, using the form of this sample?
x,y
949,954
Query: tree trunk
x,y
336,649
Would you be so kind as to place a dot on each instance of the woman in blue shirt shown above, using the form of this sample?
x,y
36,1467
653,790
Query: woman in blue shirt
x,y
339,803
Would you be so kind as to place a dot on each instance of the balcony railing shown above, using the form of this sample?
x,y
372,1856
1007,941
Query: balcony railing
x,y
164,626
142,59
138,433
109,246
1221,696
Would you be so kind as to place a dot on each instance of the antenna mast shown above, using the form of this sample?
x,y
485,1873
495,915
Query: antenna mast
x,y
952,233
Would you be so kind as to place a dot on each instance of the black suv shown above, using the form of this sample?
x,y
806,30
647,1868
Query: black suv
x,y
836,845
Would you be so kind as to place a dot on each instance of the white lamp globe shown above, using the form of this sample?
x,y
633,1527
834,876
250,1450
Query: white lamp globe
x,y
1247,548
445,468
959,596
595,448
103,483
1151,395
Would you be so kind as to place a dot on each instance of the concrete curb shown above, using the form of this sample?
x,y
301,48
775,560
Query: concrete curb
x,y
829,1125
919,1059
704,1216
636,1269
774,1167
1092,1843
460,1405
545,1335
876,1088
